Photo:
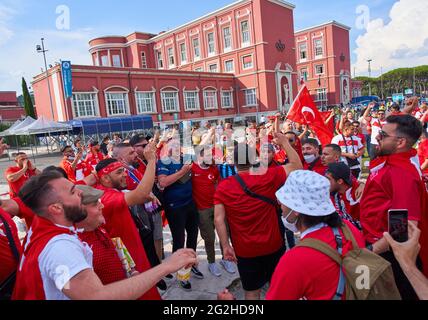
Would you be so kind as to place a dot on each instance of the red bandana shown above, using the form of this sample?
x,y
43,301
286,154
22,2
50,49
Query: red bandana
x,y
109,169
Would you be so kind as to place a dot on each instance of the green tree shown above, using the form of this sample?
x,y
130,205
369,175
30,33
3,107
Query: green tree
x,y
28,103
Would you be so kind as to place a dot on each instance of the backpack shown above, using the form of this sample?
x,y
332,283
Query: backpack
x,y
356,263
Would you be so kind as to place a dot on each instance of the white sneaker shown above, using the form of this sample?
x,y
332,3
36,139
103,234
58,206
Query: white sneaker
x,y
228,266
213,268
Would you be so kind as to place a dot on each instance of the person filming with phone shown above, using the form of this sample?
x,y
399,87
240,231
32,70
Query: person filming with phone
x,y
394,184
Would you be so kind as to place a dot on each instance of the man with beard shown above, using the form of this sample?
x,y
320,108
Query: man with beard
x,y
119,221
55,264
394,183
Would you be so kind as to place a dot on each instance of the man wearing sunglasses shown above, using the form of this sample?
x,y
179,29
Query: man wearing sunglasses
x,y
394,183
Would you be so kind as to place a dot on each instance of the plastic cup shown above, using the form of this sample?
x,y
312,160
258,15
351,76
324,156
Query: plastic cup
x,y
183,274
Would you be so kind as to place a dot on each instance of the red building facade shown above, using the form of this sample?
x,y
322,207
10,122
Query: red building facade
x,y
236,62
10,110
323,63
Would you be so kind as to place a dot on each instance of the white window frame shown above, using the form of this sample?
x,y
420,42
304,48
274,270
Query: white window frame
x,y
187,98
216,67
245,35
141,100
300,51
211,44
319,56
253,95
176,101
307,74
183,45
207,102
126,104
143,60
170,54
316,69
233,66
159,59
227,39
229,92
115,64
196,49
252,62
321,93
105,59
199,69
94,105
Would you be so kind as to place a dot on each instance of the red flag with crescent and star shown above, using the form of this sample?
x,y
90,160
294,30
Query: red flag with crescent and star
x,y
305,111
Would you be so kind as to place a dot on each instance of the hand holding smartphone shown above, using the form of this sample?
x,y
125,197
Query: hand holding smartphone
x,y
398,224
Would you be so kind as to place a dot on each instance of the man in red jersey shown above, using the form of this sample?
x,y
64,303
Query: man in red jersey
x,y
94,155
74,167
18,175
254,224
394,183
205,177
311,154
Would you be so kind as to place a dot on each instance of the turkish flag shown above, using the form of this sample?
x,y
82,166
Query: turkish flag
x,y
325,115
305,111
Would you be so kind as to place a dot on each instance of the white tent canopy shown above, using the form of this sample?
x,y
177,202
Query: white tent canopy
x,y
40,126
25,123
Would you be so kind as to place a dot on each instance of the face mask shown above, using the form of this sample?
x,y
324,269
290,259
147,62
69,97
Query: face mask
x,y
71,159
310,158
290,226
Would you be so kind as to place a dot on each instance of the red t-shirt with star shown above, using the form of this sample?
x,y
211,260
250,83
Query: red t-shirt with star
x,y
307,274
203,185
119,224
254,224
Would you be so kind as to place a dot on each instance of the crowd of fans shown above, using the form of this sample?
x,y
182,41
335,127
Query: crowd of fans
x,y
95,223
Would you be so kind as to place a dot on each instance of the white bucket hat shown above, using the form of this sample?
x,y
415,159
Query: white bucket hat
x,y
308,193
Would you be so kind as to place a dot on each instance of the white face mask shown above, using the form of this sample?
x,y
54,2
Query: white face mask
x,y
290,226
310,158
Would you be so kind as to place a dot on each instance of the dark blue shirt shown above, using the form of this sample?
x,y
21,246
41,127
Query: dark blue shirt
x,y
178,194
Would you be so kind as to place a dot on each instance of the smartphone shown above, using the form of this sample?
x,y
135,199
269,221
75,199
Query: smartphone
x,y
398,224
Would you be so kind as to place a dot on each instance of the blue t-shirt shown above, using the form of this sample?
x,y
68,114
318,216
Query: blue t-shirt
x,y
178,194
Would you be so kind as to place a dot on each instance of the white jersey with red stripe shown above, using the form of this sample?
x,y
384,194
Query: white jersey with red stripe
x,y
351,144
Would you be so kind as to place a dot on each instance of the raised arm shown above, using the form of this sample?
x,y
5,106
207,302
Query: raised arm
x,y
144,189
293,157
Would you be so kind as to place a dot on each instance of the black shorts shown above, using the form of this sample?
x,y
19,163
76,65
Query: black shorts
x,y
256,272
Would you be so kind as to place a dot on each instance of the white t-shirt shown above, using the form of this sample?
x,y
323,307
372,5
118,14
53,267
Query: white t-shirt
x,y
350,145
64,257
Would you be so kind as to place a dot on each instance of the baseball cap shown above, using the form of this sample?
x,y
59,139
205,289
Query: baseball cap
x,y
89,194
340,170
308,193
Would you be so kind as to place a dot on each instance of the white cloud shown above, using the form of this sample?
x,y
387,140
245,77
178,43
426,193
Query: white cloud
x,y
402,42
6,14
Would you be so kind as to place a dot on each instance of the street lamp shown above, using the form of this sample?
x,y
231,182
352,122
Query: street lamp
x,y
41,49
370,75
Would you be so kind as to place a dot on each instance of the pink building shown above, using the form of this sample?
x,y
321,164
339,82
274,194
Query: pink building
x,y
10,110
323,63
236,62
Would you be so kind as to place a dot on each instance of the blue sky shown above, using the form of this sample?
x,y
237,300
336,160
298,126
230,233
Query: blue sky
x,y
24,22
